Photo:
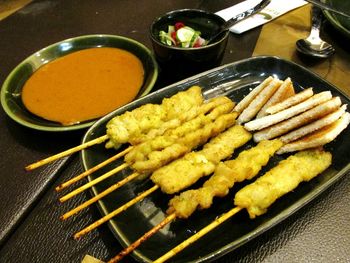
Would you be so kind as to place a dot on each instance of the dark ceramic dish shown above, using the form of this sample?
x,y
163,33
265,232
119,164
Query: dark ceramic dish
x,y
178,63
341,23
234,80
12,87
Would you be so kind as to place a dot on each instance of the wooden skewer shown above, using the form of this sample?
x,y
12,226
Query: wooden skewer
x,y
91,170
93,182
99,196
65,153
181,246
114,213
142,239
198,235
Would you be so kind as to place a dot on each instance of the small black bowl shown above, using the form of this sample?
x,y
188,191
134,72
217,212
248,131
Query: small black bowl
x,y
176,62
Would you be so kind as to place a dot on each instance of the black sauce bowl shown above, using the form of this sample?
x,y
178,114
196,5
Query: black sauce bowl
x,y
177,63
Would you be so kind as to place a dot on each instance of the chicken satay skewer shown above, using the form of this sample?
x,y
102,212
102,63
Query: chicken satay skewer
x,y
310,163
196,138
237,133
245,166
190,121
154,113
274,184
235,137
176,145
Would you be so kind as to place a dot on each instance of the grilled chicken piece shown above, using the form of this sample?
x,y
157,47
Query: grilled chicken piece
x,y
123,128
185,171
214,107
283,178
153,154
244,167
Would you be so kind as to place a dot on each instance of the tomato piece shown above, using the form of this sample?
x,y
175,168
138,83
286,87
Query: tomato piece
x,y
178,25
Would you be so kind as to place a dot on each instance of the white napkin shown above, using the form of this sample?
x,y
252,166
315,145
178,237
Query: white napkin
x,y
274,9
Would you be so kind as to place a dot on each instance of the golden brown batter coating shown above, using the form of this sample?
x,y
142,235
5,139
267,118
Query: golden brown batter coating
x,y
185,171
123,128
244,167
215,106
285,177
155,153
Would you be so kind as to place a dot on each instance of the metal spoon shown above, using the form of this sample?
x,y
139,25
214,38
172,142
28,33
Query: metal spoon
x,y
313,45
231,22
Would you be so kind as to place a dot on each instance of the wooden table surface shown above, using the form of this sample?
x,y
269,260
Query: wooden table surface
x,y
7,7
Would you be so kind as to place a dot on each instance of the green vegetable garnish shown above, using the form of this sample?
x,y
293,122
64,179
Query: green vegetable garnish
x,y
180,35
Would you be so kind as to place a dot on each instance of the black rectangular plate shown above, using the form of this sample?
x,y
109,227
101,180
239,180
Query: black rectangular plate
x,y
234,80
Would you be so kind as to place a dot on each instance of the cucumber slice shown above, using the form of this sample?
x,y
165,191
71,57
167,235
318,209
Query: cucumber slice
x,y
165,38
184,35
171,29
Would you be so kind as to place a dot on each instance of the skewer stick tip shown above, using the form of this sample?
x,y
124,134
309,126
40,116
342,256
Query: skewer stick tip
x,y
59,188
92,170
115,212
198,235
65,153
142,239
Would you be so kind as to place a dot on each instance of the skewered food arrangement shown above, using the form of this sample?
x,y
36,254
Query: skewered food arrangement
x,y
258,196
185,138
131,125
244,167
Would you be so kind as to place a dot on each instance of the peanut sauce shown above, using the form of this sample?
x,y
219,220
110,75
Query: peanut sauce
x,y
83,85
